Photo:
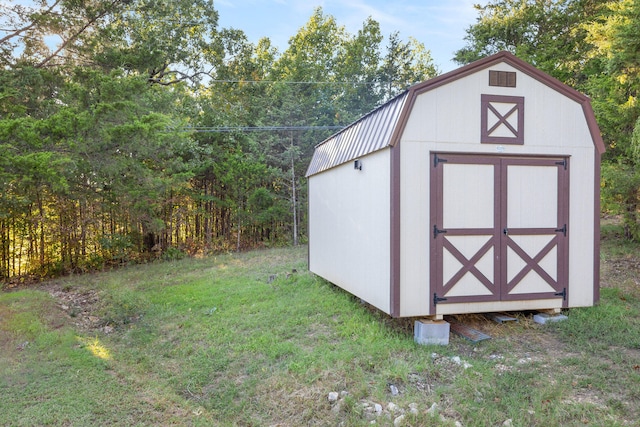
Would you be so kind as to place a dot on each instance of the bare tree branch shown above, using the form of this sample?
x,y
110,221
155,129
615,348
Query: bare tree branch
x,y
17,32
74,36
179,77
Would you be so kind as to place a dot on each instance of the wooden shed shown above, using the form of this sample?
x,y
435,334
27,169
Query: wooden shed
x,y
476,191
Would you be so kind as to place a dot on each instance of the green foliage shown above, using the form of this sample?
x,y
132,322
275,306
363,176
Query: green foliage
x,y
551,35
116,247
173,254
620,194
97,163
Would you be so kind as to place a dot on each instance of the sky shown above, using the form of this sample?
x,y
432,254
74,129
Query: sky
x,y
439,24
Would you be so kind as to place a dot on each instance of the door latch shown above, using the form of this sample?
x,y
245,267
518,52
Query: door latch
x,y
437,231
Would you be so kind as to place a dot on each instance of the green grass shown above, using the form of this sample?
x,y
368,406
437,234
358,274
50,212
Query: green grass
x,y
240,339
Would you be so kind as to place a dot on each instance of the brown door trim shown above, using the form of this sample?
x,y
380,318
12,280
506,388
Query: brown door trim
x,y
499,237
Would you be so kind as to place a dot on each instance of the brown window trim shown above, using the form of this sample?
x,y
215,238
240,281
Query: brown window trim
x,y
518,106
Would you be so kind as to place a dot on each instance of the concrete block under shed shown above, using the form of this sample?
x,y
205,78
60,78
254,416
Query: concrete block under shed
x,y
543,318
431,332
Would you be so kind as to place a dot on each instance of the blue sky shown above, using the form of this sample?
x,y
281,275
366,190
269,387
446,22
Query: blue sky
x,y
439,24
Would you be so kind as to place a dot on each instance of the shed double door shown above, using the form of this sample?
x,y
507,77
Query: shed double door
x,y
499,228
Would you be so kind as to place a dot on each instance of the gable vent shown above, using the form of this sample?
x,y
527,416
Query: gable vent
x,y
502,78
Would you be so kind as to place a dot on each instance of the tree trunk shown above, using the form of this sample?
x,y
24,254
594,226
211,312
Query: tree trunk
x,y
238,239
42,241
293,201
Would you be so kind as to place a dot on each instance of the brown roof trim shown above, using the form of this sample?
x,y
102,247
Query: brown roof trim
x,y
517,63
596,229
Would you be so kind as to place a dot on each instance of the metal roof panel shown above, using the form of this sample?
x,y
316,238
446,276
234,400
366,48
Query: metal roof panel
x,y
370,133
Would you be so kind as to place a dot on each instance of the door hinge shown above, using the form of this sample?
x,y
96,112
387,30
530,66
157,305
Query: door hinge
x,y
562,294
437,299
437,160
437,231
563,163
562,230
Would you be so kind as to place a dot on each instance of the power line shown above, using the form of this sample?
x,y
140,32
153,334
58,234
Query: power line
x,y
223,129
291,82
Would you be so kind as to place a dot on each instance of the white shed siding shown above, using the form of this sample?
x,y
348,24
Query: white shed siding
x,y
447,119
581,244
349,225
414,230
371,231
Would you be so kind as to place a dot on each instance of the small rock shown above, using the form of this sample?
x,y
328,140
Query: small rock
x,y
333,397
378,408
369,415
508,423
394,390
344,393
413,408
392,407
64,307
398,421
432,411
108,329
458,424
458,361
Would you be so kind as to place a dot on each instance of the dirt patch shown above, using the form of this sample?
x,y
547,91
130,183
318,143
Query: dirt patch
x,y
622,273
80,306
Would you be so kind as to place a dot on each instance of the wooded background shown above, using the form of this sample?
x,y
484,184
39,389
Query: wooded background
x,y
138,129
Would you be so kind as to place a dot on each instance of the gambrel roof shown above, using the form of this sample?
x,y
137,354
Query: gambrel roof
x,y
383,126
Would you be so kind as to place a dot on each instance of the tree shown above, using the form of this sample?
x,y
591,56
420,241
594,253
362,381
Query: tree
x,y
550,34
27,28
405,64
167,41
107,153
617,106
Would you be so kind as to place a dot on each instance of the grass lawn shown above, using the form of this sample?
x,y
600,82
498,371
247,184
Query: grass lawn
x,y
254,339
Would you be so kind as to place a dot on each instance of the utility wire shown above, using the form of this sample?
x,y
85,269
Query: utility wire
x,y
223,129
292,82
